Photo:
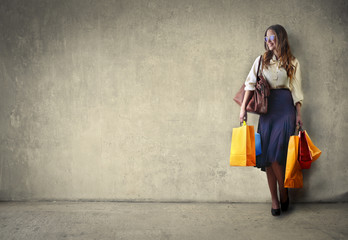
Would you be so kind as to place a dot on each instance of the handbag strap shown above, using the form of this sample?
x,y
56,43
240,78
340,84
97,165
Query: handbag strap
x,y
258,69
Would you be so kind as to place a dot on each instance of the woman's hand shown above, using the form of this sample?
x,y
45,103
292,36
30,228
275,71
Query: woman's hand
x,y
243,115
299,120
298,114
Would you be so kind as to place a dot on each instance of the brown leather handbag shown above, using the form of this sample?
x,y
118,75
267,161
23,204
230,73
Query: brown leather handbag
x,y
259,100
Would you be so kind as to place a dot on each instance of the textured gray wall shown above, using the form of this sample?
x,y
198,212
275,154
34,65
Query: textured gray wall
x,y
132,100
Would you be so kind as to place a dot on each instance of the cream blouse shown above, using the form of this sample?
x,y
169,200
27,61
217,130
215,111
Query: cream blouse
x,y
277,78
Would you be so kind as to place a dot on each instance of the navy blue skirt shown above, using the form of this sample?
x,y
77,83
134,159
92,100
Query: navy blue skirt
x,y
275,128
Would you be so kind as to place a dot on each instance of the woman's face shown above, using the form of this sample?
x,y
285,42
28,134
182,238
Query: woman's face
x,y
271,38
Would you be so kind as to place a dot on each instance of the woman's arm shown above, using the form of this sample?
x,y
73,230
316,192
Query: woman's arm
x,y
243,114
298,114
249,89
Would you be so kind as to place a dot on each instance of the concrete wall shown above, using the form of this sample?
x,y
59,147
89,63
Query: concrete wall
x,y
132,100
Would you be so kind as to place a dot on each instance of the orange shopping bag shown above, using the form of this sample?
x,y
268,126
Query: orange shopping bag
x,y
293,171
315,152
243,146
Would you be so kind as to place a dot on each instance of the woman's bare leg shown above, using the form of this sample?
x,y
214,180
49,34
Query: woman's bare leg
x,y
272,184
278,171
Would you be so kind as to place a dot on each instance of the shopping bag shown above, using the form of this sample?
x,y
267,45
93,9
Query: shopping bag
x,y
258,149
315,152
305,157
293,171
243,146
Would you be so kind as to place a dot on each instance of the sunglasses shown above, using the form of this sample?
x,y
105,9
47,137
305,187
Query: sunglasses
x,y
271,38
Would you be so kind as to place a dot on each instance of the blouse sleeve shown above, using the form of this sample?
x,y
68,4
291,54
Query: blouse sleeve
x,y
295,84
250,82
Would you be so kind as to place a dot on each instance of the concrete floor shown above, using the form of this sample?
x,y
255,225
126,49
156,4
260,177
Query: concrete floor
x,y
120,220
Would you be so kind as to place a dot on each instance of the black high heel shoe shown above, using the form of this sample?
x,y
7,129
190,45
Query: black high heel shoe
x,y
285,205
275,212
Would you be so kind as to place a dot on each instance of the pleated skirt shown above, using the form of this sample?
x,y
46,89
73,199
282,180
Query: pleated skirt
x,y
275,128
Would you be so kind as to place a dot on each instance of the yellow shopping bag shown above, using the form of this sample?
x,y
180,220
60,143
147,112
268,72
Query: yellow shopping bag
x,y
243,146
293,171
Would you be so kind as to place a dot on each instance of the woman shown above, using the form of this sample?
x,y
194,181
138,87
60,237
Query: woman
x,y
282,71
